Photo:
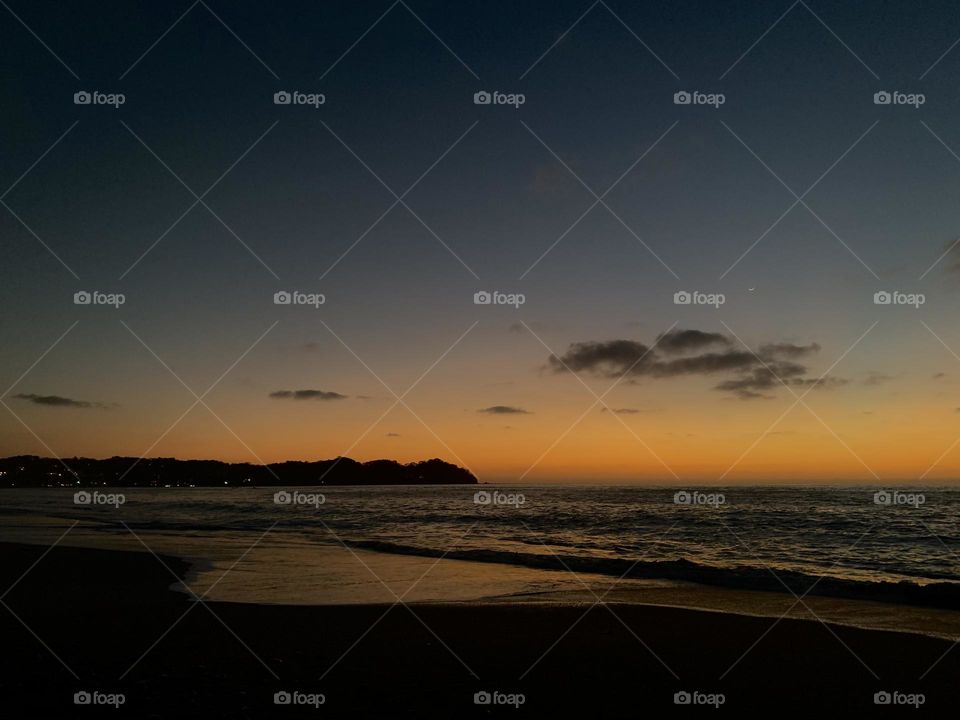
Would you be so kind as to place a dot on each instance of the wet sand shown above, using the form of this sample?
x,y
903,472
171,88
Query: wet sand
x,y
108,615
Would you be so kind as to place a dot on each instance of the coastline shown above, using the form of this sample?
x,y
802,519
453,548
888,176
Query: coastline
x,y
101,610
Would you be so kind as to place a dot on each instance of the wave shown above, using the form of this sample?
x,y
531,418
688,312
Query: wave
x,y
941,594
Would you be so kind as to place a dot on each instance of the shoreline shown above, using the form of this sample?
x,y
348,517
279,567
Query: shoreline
x,y
101,610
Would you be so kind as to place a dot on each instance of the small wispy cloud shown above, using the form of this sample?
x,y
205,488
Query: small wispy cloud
x,y
60,401
306,395
504,410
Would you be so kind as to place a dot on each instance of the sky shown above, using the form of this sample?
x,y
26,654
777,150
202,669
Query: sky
x,y
784,209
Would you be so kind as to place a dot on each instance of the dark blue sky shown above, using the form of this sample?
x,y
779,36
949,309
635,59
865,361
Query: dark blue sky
x,y
798,82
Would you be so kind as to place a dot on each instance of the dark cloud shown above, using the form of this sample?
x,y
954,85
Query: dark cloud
x,y
684,341
876,378
393,434
622,411
534,325
939,376
700,353
788,350
59,401
612,358
951,256
307,395
504,410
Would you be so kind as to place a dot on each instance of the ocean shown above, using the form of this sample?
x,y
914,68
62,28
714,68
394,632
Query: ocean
x,y
457,543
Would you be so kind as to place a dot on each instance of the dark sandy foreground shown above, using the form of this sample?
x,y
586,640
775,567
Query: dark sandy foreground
x,y
101,610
